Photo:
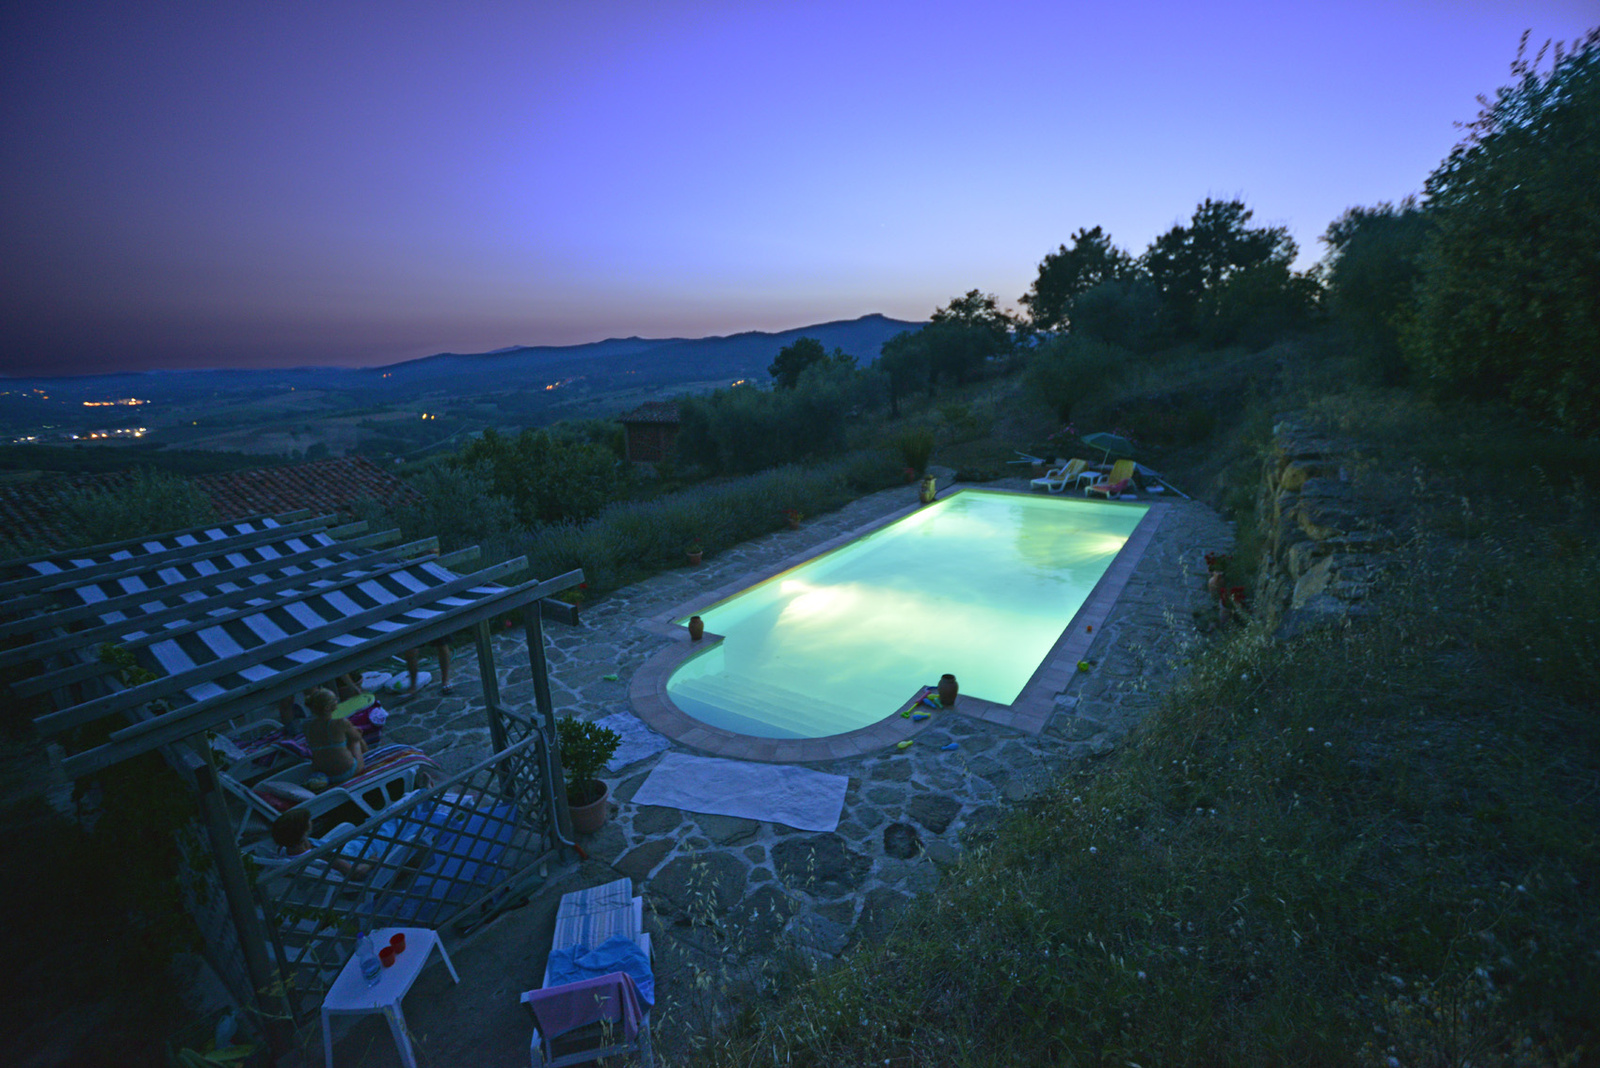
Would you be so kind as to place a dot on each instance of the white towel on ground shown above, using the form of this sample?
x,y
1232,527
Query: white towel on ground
x,y
795,797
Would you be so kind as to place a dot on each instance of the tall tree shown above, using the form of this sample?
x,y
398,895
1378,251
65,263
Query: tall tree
x,y
794,358
904,360
547,480
1067,273
793,361
966,332
1371,270
1188,262
1508,302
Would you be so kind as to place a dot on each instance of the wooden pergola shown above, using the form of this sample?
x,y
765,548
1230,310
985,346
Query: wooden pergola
x,y
227,619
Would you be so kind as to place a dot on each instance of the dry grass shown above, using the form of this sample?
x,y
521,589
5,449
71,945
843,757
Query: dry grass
x,y
1373,845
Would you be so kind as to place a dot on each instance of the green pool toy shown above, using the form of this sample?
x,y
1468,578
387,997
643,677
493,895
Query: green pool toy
x,y
350,706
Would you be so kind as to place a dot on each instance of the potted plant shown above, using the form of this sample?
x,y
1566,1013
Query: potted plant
x,y
793,515
585,748
694,549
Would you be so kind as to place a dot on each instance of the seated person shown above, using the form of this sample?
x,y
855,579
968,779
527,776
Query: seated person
x,y
292,832
337,748
345,686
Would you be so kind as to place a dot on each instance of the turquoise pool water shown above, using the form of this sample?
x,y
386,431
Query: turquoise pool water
x,y
980,585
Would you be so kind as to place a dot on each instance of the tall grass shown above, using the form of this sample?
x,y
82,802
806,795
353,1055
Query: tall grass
x,y
631,540
1375,842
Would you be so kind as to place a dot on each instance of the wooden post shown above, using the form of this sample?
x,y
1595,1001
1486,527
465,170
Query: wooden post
x,y
241,902
491,685
533,631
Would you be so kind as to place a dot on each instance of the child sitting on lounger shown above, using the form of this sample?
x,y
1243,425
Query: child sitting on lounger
x,y
292,832
337,748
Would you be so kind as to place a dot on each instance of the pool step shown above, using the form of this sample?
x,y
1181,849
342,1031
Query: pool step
x,y
738,703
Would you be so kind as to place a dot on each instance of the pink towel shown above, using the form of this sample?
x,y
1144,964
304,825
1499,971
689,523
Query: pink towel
x,y
558,1009
1110,489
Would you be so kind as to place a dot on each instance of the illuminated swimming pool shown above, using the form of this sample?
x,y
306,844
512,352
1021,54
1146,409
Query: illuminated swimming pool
x,y
980,584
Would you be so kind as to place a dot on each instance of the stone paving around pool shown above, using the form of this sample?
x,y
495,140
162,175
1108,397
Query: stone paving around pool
x,y
724,895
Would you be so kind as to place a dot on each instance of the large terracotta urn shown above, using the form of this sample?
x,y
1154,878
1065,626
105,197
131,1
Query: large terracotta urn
x,y
948,691
697,628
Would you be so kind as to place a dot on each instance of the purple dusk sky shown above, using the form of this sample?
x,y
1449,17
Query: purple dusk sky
x,y
245,184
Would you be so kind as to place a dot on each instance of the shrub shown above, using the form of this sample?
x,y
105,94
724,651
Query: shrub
x,y
459,506
1068,371
745,429
1509,294
148,501
915,446
548,479
585,749
633,539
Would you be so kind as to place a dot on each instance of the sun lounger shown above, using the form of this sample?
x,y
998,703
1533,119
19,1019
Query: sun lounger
x,y
392,771
1118,481
594,1016
267,744
1057,480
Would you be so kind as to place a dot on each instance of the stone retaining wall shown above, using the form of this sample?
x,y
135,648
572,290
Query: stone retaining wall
x,y
1325,544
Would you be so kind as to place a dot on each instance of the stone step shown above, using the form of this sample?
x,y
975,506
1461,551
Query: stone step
x,y
733,698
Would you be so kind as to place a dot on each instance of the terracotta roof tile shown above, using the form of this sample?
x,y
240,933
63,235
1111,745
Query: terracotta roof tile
x,y
321,486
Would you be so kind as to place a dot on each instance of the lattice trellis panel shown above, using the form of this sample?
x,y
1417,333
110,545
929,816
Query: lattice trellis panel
x,y
451,853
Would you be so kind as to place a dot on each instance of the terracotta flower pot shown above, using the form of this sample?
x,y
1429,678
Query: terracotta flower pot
x,y
694,559
589,818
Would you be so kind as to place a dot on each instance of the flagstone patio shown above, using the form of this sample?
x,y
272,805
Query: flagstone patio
x,y
725,896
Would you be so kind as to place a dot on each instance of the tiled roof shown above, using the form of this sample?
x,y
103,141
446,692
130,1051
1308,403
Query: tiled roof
x,y
31,509
652,412
322,486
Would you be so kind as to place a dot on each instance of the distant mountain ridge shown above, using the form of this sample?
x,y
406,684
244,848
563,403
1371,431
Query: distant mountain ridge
x,y
656,360
644,361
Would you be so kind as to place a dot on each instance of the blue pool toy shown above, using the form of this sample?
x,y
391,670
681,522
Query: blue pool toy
x,y
949,747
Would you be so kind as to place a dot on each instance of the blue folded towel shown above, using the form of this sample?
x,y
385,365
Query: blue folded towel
x,y
570,964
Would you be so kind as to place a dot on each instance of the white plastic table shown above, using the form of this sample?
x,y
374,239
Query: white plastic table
x,y
351,996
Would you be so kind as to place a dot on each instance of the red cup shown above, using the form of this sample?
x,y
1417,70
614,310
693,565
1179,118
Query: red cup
x,y
386,955
398,943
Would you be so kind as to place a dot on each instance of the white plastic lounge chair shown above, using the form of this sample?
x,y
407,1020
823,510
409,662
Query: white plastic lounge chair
x,y
392,771
599,1017
269,799
1057,480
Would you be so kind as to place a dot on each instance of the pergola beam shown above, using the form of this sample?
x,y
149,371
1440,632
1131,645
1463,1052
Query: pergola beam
x,y
204,715
300,586
144,564
339,552
127,543
172,685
